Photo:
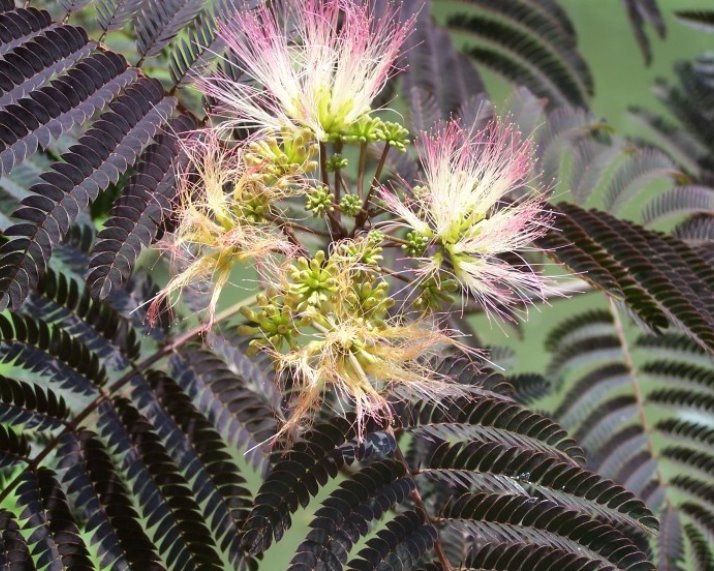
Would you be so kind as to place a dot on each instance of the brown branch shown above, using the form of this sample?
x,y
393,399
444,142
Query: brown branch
x,y
338,190
364,213
333,217
362,165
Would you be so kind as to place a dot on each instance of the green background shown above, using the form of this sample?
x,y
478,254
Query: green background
x,y
608,45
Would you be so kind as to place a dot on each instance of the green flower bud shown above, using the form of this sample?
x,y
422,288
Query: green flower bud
x,y
319,201
363,252
336,162
373,301
272,323
350,204
292,154
394,134
416,244
435,292
256,209
366,130
312,282
375,237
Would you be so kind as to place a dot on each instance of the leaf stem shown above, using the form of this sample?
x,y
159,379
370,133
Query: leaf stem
x,y
636,388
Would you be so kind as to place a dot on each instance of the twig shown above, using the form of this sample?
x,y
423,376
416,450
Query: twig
x,y
335,224
362,165
364,213
338,190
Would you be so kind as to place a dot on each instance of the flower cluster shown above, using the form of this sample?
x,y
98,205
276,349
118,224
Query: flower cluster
x,y
291,201
227,202
329,330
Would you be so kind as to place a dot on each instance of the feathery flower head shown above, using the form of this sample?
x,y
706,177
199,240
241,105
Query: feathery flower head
x,y
223,217
318,64
349,361
343,346
462,207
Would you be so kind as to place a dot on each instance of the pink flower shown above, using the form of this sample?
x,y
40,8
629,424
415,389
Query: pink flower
x,y
318,64
467,207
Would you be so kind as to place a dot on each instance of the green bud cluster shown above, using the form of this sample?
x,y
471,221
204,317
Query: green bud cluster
x,y
271,322
254,210
375,130
396,135
416,244
319,201
375,237
312,282
366,130
435,292
366,253
372,299
350,204
321,291
292,154
337,162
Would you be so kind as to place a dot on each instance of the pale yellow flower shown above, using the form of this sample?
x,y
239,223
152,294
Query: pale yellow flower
x,y
223,218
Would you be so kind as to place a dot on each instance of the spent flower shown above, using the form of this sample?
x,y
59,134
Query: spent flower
x,y
222,217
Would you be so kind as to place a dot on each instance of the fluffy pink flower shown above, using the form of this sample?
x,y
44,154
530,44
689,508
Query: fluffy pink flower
x,y
466,206
318,64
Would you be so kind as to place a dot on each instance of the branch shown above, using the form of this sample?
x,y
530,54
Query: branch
x,y
364,213
334,218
